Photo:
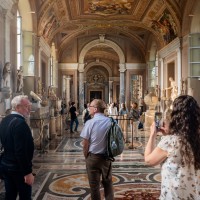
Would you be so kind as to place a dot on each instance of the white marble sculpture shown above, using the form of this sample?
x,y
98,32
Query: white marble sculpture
x,y
7,75
20,83
172,91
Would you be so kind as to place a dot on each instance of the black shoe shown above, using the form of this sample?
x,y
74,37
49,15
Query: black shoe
x,y
71,131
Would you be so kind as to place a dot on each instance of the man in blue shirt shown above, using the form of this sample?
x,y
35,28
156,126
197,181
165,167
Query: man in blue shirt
x,y
94,136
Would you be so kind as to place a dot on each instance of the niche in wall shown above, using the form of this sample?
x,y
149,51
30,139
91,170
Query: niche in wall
x,y
170,72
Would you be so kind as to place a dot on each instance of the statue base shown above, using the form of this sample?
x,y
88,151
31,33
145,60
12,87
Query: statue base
x,y
149,118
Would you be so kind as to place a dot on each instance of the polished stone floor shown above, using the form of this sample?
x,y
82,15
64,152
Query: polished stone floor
x,y
61,174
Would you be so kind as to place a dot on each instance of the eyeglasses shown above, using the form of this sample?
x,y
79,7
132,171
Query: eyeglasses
x,y
92,106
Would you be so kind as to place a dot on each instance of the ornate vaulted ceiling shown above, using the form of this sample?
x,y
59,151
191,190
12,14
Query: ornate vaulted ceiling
x,y
136,21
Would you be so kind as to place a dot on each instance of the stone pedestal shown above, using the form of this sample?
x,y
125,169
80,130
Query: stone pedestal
x,y
151,101
149,118
59,125
168,110
52,127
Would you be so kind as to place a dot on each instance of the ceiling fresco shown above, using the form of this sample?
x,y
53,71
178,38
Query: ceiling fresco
x,y
108,7
134,21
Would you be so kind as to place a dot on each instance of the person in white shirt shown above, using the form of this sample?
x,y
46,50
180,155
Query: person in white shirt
x,y
112,111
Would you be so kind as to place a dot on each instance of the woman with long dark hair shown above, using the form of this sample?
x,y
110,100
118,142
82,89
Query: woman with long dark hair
x,y
178,151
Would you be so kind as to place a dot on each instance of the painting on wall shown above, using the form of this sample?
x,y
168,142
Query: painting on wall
x,y
108,7
166,26
50,24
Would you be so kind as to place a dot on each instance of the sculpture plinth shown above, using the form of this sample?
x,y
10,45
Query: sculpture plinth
x,y
151,101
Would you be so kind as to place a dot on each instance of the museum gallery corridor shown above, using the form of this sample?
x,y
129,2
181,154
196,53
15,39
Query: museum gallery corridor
x,y
61,174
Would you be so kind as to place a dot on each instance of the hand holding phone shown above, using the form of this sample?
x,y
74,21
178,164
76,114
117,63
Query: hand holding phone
x,y
158,120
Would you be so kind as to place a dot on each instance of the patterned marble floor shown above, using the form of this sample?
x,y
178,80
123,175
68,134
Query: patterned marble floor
x,y
61,174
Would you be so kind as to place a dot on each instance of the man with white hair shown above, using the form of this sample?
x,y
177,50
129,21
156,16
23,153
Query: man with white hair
x,y
17,141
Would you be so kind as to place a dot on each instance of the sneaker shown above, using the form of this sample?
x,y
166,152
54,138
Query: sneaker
x,y
71,131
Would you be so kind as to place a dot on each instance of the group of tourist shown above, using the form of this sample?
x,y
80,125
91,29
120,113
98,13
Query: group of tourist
x,y
177,151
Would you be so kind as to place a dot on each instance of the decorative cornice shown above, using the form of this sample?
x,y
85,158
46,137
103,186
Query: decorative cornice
x,y
170,48
73,66
44,46
136,65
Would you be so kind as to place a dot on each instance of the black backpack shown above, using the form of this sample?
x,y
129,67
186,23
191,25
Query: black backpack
x,y
115,141
87,115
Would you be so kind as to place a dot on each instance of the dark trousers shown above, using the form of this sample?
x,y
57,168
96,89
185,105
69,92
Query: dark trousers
x,y
97,168
72,123
15,185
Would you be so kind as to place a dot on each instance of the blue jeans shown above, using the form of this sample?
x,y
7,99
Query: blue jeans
x,y
15,185
72,123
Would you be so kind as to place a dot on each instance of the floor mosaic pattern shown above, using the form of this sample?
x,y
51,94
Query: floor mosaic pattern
x,y
61,173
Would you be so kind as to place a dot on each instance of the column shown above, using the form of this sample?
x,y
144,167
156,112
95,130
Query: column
x,y
67,92
106,94
39,63
81,91
161,73
110,91
81,87
63,86
85,93
2,38
122,88
7,18
179,70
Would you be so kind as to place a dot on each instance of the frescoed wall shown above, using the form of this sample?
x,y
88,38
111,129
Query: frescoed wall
x,y
166,26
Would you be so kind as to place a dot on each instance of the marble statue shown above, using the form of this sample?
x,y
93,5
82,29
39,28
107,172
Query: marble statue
x,y
6,75
172,91
20,83
157,91
35,96
183,85
51,93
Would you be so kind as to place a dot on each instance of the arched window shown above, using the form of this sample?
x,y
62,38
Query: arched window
x,y
19,40
152,74
31,64
51,70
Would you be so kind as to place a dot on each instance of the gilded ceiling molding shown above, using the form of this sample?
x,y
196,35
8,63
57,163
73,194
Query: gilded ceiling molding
x,y
109,43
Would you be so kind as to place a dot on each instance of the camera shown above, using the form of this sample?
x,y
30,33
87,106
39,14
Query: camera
x,y
158,120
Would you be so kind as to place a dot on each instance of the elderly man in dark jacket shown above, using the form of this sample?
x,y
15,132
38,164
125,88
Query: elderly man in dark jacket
x,y
18,145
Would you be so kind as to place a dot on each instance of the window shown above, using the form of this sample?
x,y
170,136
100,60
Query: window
x,y
194,54
19,40
152,74
31,61
51,70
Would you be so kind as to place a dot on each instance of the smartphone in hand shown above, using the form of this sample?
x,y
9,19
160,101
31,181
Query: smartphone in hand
x,y
158,120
